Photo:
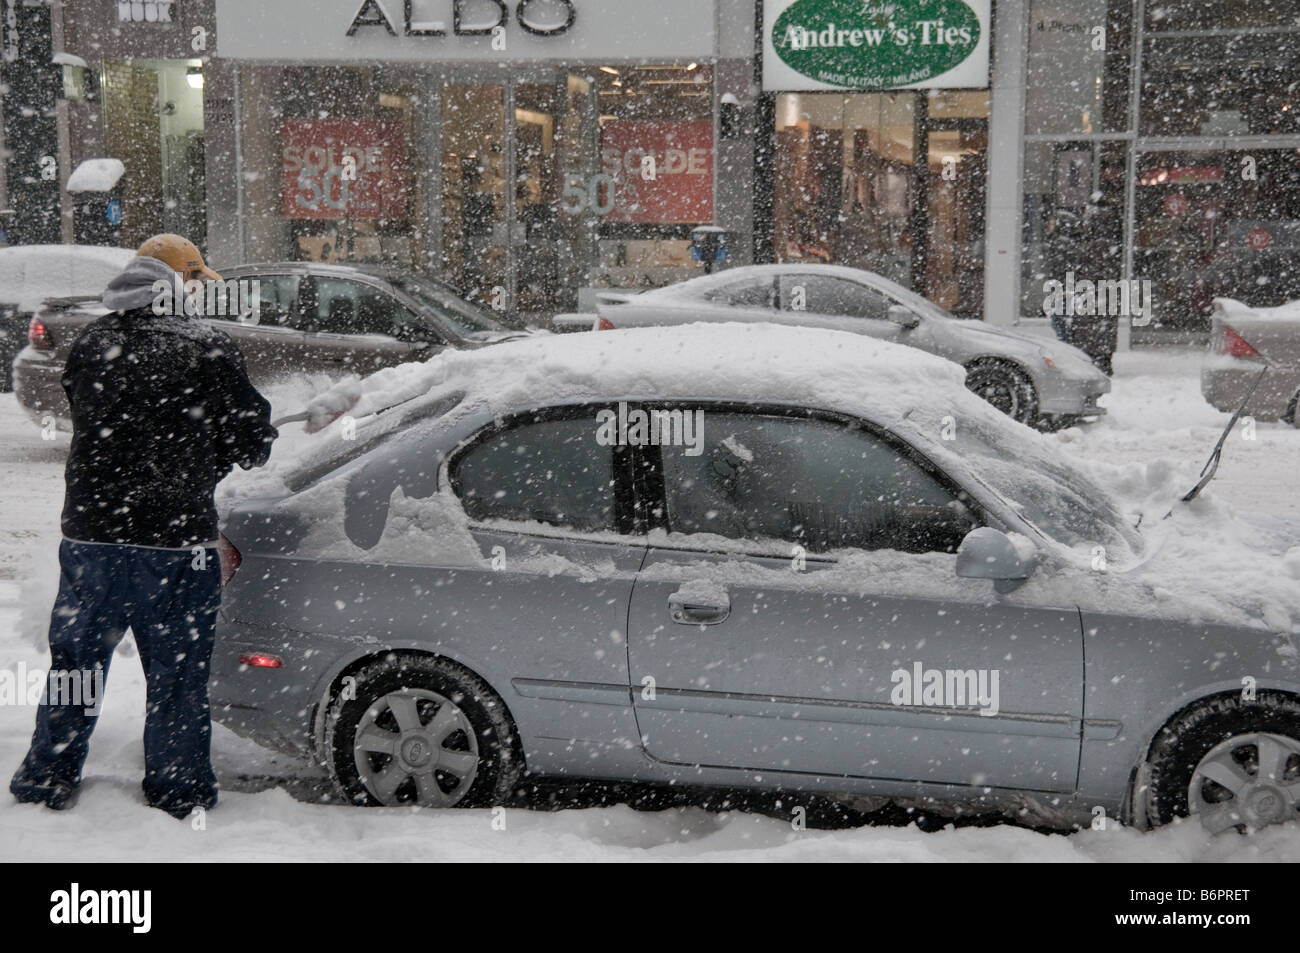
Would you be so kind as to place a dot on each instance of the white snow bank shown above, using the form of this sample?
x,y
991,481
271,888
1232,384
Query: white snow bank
x,y
1232,309
31,273
96,175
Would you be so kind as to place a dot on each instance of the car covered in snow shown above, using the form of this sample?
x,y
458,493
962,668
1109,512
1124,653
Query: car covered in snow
x,y
31,274
1249,347
307,317
1041,383
747,555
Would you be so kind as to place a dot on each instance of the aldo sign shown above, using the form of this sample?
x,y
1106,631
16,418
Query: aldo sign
x,y
875,44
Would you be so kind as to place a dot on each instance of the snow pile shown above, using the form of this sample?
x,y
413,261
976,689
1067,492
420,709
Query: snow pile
x,y
96,175
31,273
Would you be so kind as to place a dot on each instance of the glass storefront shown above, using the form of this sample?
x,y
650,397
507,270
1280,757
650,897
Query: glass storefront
x,y
1192,183
153,122
891,182
527,195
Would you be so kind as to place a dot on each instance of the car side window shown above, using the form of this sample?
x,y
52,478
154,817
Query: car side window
x,y
822,294
350,307
751,293
277,295
547,471
817,483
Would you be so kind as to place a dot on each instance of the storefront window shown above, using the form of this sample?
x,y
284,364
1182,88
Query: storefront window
x,y
1203,230
892,183
1074,216
1220,68
1079,63
544,189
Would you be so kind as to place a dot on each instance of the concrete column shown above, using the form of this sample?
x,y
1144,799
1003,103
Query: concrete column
x,y
1002,226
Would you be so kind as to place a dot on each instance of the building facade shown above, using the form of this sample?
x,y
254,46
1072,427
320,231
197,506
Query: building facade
x,y
535,152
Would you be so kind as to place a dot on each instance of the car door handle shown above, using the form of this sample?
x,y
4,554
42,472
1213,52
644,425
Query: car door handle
x,y
688,609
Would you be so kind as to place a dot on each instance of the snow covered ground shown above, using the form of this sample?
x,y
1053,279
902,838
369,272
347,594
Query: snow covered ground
x,y
271,810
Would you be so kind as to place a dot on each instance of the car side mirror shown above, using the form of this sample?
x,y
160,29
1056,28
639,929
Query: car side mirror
x,y
903,316
988,553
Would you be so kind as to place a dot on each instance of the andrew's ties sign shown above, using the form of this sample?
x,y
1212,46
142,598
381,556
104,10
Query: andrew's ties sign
x,y
875,44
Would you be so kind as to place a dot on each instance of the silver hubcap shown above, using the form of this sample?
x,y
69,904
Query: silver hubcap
x,y
415,746
1249,781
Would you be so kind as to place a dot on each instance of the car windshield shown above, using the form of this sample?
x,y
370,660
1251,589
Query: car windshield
x,y
463,318
1048,493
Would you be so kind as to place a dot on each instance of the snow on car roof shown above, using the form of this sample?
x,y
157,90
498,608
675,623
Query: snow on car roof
x,y
739,361
1233,310
1240,578
31,273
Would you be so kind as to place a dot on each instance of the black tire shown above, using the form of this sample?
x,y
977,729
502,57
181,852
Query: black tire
x,y
1182,744
499,758
1292,413
1006,387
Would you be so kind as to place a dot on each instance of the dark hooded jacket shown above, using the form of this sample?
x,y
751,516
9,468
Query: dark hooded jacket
x,y
162,409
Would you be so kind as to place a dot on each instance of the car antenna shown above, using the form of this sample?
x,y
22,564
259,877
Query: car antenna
x,y
1212,465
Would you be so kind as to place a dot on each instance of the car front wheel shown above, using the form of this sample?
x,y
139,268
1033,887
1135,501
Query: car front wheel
x,y
1231,763
1006,387
420,731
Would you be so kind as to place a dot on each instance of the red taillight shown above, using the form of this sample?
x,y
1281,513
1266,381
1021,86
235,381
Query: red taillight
x,y
604,324
260,660
1233,344
229,557
38,337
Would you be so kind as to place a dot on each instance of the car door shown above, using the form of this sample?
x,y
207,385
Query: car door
x,y
827,301
355,326
799,597
550,508
264,325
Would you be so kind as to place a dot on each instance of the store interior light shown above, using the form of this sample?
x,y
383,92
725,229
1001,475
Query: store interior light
x,y
194,76
693,66
610,70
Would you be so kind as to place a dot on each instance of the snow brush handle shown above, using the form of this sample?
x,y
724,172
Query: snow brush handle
x,y
290,418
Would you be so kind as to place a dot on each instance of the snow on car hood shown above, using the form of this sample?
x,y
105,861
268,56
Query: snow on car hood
x,y
1202,564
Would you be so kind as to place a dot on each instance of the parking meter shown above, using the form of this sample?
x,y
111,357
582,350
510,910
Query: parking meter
x,y
708,245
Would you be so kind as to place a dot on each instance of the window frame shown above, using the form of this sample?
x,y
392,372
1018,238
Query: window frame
x,y
629,520
795,278
722,296
654,487
309,305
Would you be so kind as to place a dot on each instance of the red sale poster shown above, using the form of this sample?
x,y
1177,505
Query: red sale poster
x,y
662,171
345,169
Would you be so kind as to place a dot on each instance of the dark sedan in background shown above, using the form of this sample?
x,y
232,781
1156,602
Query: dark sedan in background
x,y
315,318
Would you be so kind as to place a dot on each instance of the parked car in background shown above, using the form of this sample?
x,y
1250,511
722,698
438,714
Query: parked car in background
x,y
1043,384
29,274
336,319
1243,342
503,568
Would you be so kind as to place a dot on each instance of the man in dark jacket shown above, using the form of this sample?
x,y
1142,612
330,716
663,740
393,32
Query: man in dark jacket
x,y
162,409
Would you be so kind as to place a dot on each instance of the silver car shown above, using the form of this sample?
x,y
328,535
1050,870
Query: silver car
x,y
1243,342
1045,384
817,565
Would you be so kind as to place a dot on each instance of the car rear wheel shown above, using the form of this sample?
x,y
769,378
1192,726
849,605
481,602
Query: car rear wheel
x,y
1230,763
1006,387
417,730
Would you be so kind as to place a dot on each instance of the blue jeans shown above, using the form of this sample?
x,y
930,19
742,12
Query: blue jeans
x,y
169,600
